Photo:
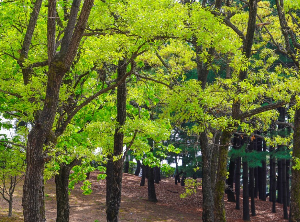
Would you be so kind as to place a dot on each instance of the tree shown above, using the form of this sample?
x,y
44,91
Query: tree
x,y
12,170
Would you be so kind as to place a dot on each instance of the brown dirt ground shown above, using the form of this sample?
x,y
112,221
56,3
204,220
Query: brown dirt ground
x,y
134,206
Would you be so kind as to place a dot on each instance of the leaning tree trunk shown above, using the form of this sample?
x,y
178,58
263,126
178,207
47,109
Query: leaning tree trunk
x,y
33,189
59,65
114,167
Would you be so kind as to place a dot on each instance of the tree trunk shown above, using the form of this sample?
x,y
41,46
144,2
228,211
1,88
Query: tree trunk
x,y
273,185
114,167
237,182
62,191
230,193
279,181
10,205
143,175
219,207
208,199
252,189
151,186
284,190
33,189
156,174
246,215
295,186
138,168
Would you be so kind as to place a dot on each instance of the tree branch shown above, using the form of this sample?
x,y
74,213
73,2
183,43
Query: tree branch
x,y
51,29
261,110
78,32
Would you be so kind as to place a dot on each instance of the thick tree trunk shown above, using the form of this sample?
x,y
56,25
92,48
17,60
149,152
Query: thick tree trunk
x,y
279,181
114,167
295,186
33,189
151,186
208,199
219,207
62,195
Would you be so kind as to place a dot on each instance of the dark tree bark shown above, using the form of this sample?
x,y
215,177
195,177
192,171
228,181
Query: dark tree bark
x,y
237,144
295,186
246,215
62,191
237,182
156,174
114,168
230,193
284,190
279,181
143,175
138,168
215,157
151,186
33,189
263,177
251,171
251,180
207,192
273,184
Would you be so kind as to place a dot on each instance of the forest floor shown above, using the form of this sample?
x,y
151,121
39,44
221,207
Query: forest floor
x,y
135,207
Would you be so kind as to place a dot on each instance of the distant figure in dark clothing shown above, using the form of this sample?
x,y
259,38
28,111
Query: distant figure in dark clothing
x,y
183,179
177,177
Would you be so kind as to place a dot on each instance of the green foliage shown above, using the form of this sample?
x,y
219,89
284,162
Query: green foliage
x,y
191,187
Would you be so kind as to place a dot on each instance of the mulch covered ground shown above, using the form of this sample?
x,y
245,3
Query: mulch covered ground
x,y
135,207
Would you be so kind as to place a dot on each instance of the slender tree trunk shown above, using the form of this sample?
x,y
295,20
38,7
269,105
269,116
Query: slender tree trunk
x,y
114,167
295,186
214,161
237,182
138,168
284,190
273,185
230,193
10,205
279,181
263,176
62,191
252,189
143,175
156,174
246,215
